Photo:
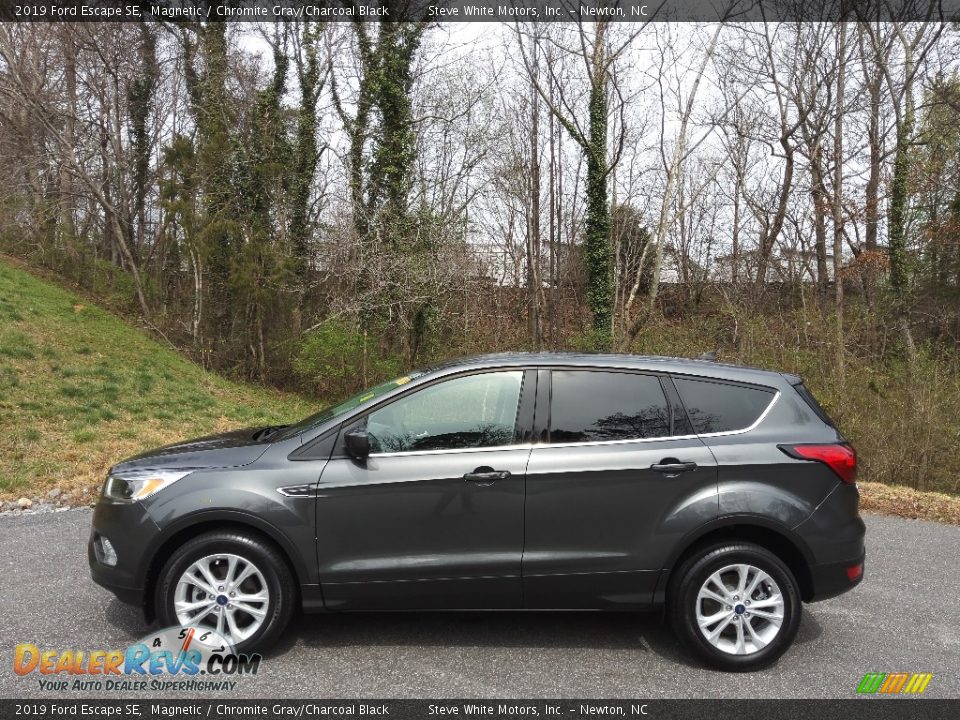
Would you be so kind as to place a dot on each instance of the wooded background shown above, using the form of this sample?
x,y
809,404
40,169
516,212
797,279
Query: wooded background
x,y
319,206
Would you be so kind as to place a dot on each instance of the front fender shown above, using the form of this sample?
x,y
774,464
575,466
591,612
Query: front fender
x,y
244,498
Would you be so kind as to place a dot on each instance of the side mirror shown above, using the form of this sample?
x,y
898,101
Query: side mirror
x,y
358,443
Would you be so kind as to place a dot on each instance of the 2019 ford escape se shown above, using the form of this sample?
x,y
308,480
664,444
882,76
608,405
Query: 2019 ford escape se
x,y
535,481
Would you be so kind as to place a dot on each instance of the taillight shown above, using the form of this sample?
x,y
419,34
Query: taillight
x,y
840,457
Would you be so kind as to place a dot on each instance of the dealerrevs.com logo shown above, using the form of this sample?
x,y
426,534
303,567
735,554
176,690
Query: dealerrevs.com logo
x,y
902,683
177,658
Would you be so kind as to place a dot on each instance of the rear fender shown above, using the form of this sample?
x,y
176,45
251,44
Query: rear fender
x,y
775,505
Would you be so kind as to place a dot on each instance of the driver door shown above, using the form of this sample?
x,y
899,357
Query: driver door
x,y
433,518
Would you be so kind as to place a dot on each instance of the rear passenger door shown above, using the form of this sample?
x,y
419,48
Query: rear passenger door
x,y
616,479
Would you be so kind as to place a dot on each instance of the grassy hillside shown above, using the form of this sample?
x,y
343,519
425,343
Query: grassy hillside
x,y
80,389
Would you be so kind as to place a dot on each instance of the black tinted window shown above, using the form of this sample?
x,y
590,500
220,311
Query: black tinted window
x,y
591,406
814,405
719,407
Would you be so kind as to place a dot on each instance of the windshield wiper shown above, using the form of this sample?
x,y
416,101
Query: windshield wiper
x,y
264,433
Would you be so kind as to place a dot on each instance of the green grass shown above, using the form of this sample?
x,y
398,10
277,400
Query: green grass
x,y
80,389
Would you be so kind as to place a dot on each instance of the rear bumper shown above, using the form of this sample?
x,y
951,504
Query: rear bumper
x,y
130,531
835,534
834,579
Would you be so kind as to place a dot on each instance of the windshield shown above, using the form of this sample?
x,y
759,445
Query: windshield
x,y
347,405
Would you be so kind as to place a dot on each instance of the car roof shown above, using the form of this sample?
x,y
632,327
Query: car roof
x,y
624,361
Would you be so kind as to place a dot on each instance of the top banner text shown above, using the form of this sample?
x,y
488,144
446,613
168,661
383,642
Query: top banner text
x,y
629,11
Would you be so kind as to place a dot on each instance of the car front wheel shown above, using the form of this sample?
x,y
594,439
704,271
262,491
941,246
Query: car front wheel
x,y
735,605
232,583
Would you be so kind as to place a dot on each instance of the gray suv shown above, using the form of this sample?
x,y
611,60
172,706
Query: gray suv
x,y
722,494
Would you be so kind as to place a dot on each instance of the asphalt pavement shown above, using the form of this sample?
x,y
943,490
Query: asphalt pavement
x,y
905,616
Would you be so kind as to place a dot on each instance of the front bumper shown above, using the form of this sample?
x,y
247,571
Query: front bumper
x,y
131,532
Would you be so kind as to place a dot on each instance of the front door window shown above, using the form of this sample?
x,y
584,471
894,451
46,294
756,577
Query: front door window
x,y
477,411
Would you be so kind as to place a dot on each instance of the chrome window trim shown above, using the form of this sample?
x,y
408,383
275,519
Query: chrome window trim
x,y
529,446
538,446
666,438
760,419
449,451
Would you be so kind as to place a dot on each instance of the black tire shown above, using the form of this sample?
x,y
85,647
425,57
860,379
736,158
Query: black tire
x,y
267,559
685,586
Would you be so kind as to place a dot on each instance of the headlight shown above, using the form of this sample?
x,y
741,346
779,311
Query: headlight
x,y
140,484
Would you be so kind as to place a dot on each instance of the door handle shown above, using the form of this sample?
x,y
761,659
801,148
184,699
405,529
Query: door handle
x,y
673,467
486,475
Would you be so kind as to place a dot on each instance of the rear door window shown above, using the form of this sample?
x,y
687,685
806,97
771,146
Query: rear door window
x,y
595,406
722,407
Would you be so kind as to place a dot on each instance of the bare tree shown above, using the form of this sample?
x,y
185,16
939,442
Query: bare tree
x,y
26,84
913,42
673,167
586,118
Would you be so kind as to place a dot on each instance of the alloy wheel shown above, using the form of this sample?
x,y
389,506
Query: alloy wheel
x,y
223,592
740,609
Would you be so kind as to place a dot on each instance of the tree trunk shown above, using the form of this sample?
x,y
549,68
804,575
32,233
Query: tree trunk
x,y
66,232
735,235
772,232
872,190
838,200
597,231
818,192
554,230
899,198
533,227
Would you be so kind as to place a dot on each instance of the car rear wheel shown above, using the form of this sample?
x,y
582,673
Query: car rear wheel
x,y
232,583
735,605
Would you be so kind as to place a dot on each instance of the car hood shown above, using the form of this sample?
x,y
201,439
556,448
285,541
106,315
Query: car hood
x,y
229,449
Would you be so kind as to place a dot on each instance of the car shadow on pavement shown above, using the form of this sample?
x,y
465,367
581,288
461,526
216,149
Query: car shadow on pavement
x,y
611,631
127,618
509,629
618,630
810,628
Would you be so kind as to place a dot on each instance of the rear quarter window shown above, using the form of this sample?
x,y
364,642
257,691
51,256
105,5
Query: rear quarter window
x,y
715,406
813,404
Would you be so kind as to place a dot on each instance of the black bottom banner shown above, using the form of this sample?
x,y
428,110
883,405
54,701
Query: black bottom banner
x,y
853,709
